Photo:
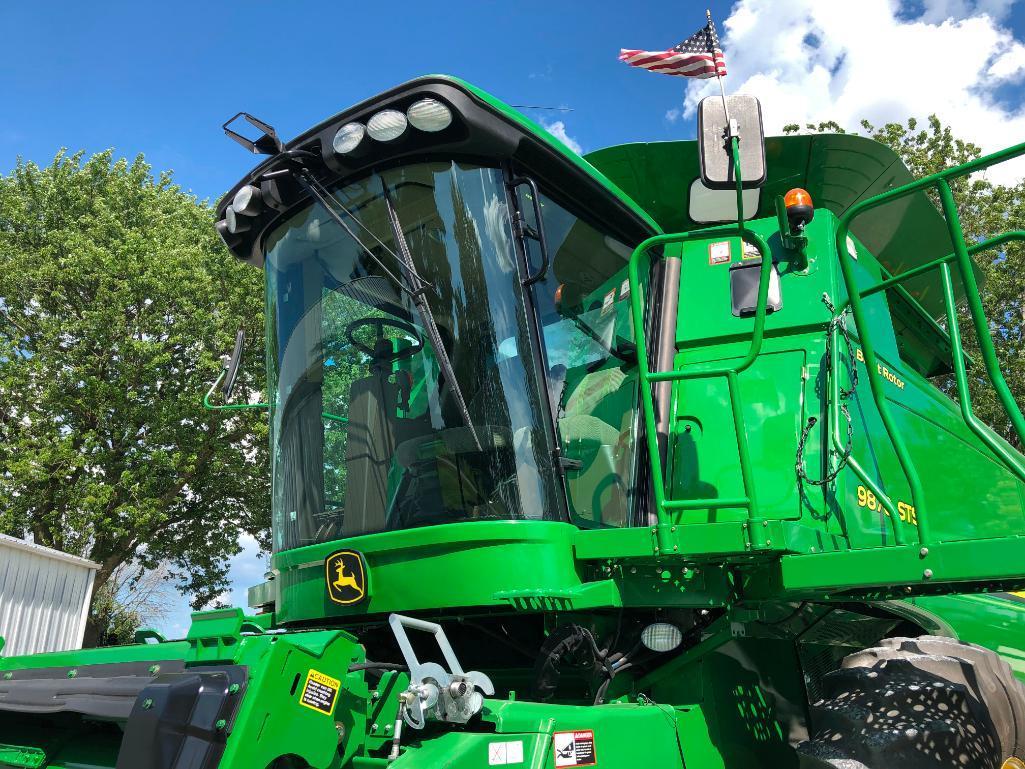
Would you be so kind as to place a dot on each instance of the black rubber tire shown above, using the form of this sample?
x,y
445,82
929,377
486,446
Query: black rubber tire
x,y
917,703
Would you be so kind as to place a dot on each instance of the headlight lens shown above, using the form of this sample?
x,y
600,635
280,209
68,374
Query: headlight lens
x,y
386,125
235,223
429,115
247,201
661,637
348,137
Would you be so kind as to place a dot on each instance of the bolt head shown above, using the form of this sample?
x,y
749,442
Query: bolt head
x,y
923,552
927,574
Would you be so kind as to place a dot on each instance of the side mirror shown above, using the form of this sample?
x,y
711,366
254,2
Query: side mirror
x,y
714,132
233,365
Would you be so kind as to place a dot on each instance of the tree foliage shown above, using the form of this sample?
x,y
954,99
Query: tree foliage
x,y
116,300
986,209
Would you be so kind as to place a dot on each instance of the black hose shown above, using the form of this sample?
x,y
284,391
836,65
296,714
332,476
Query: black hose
x,y
368,665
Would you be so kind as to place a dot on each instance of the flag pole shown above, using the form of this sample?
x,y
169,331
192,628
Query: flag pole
x,y
722,88
731,135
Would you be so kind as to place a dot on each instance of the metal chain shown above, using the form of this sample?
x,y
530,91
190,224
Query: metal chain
x,y
837,322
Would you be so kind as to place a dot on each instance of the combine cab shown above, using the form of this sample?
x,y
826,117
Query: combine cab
x,y
632,460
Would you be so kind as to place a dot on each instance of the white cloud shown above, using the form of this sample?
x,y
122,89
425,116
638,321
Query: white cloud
x,y
558,129
884,60
673,115
219,601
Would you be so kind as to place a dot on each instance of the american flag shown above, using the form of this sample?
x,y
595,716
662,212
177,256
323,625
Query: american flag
x,y
697,56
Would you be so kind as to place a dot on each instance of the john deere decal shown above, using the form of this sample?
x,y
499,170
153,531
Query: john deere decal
x,y
346,577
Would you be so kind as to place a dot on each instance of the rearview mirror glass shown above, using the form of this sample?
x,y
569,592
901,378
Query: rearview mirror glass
x,y
714,144
234,363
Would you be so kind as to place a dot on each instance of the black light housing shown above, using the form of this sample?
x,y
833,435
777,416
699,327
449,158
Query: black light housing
x,y
236,224
478,130
248,201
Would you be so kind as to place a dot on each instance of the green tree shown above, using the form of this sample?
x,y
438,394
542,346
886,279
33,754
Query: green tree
x,y
116,299
986,209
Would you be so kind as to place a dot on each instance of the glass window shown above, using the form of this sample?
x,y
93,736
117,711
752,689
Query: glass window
x,y
584,308
389,412
708,206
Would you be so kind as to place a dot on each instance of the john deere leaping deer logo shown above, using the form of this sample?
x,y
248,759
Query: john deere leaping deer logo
x,y
346,577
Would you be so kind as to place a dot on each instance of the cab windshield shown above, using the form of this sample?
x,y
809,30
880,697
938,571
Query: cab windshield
x,y
368,432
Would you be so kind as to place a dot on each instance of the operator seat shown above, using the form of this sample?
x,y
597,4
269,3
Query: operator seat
x,y
372,439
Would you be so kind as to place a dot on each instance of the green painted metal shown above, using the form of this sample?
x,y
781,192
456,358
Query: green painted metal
x,y
662,505
27,757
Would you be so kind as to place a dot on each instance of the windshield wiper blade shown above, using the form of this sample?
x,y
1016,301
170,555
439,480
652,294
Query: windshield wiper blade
x,y
328,202
427,315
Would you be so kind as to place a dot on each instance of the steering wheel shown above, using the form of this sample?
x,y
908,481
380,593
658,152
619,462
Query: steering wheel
x,y
380,351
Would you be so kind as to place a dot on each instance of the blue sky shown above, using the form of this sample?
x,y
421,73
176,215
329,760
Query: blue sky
x,y
160,78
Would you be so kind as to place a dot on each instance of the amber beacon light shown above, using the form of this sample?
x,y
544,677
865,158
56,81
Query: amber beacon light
x,y
800,209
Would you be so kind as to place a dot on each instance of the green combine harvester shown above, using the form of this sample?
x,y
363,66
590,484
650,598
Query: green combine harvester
x,y
625,461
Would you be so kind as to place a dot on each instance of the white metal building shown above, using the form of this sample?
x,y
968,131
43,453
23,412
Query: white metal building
x,y
44,597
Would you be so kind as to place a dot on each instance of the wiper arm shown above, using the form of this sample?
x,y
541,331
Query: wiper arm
x,y
329,203
416,287
427,315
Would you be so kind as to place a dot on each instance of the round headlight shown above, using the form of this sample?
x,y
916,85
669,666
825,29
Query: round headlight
x,y
348,137
247,201
235,223
386,125
429,115
222,229
661,637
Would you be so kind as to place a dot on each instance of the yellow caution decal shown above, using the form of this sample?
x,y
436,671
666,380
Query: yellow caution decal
x,y
320,692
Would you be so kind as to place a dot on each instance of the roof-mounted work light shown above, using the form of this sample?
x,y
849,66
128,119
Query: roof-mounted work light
x,y
235,223
348,137
386,125
429,115
248,201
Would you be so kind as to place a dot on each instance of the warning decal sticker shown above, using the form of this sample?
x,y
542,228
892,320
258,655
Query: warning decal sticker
x,y
501,753
320,692
719,252
574,748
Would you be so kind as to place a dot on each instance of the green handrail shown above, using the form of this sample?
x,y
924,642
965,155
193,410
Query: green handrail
x,y
647,377
964,397
962,257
